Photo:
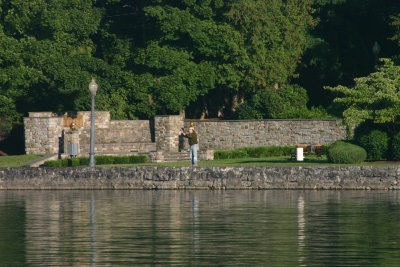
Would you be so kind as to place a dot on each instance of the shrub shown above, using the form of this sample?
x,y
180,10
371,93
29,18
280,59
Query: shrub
x,y
121,160
100,160
73,162
269,151
254,152
395,147
230,154
376,143
138,159
56,163
342,152
84,161
104,160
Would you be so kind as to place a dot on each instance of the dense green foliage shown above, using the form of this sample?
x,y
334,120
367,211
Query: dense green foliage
x,y
248,59
100,160
375,97
254,152
395,147
346,153
376,143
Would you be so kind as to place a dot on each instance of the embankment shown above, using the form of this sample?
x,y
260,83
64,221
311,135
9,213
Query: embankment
x,y
322,177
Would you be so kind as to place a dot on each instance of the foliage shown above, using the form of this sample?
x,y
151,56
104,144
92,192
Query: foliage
x,y
395,147
100,160
345,153
340,46
376,143
254,152
8,115
290,101
222,50
375,97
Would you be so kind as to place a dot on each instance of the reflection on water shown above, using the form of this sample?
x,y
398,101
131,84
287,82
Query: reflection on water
x,y
199,228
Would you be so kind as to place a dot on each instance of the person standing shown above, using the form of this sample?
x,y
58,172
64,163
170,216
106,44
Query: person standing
x,y
193,142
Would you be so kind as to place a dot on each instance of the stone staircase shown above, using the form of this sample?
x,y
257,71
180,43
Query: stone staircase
x,y
126,148
175,156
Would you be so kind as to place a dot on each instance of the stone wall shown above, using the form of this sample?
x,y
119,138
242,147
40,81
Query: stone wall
x,y
43,131
217,134
323,177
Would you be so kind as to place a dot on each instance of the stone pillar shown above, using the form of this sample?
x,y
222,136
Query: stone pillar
x,y
42,132
167,132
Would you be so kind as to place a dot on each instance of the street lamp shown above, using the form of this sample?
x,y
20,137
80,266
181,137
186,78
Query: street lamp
x,y
93,90
376,49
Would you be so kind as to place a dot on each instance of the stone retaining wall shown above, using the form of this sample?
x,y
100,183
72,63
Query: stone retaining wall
x,y
328,177
217,134
45,133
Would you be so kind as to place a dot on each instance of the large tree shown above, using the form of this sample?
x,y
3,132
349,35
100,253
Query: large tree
x,y
374,98
217,53
48,58
341,45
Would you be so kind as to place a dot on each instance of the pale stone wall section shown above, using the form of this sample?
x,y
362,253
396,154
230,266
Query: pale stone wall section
x,y
167,132
42,132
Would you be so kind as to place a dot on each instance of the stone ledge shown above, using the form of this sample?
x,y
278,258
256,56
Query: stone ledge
x,y
260,178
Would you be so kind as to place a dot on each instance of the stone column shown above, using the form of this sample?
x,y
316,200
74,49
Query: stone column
x,y
167,132
42,132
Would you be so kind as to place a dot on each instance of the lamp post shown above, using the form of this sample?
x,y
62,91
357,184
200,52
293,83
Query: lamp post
x,y
93,90
376,49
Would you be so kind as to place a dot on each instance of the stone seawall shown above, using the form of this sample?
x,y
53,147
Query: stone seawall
x,y
328,177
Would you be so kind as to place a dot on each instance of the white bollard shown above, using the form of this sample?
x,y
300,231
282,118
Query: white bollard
x,y
299,154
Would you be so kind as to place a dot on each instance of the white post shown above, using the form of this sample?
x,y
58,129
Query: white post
x,y
299,154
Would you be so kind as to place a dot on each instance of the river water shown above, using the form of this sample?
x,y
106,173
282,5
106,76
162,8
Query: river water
x,y
200,228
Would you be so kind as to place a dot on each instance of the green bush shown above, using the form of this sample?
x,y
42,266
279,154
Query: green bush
x,y
230,154
395,147
104,160
254,152
138,159
100,160
376,143
269,151
83,161
342,152
56,163
73,162
121,160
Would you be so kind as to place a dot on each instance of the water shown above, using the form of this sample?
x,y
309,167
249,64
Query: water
x,y
200,228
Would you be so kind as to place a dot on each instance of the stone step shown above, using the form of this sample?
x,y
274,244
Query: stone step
x,y
175,156
130,147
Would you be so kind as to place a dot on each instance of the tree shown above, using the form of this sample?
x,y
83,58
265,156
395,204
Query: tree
x,y
340,46
48,58
219,53
375,97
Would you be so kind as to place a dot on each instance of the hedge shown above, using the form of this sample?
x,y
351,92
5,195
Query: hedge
x,y
100,160
255,152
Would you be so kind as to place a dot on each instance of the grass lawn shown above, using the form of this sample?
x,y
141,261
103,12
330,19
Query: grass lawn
x,y
284,161
16,161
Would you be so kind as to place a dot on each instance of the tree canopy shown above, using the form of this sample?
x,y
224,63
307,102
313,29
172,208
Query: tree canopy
x,y
375,97
211,58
